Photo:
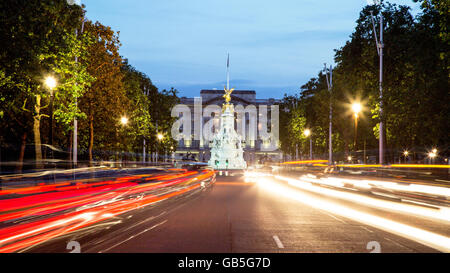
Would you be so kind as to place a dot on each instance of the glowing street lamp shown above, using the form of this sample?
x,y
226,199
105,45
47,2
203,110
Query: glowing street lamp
x,y
356,108
124,120
50,82
432,155
307,133
160,137
406,154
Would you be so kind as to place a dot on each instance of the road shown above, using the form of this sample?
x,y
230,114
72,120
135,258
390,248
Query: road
x,y
237,217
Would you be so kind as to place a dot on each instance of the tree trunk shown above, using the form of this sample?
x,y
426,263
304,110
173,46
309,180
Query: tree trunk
x,y
37,132
22,152
91,137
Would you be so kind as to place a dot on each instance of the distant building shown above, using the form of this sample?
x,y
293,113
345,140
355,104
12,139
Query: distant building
x,y
254,151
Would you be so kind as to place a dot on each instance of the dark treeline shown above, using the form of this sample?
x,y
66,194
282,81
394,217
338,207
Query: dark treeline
x,y
94,83
415,90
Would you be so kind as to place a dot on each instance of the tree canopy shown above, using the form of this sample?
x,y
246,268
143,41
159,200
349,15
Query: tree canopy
x,y
94,84
415,87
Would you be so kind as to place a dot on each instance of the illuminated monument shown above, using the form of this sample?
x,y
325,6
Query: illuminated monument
x,y
226,148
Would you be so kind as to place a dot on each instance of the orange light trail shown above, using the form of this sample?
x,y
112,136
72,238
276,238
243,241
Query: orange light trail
x,y
305,162
395,166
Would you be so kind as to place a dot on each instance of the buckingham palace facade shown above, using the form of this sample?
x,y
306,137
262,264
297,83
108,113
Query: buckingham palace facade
x,y
256,121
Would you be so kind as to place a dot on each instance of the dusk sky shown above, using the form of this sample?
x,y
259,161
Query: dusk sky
x,y
274,46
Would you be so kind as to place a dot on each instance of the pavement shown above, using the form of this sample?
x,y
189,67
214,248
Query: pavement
x,y
237,217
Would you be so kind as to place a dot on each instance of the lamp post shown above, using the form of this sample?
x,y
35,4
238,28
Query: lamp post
x,y
160,137
380,46
307,133
330,86
51,83
432,155
356,108
124,122
406,154
75,121
172,154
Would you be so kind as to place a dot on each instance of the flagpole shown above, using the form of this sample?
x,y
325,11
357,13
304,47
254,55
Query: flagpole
x,y
228,72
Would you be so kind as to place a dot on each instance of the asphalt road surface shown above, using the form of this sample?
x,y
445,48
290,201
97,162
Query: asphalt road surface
x,y
234,216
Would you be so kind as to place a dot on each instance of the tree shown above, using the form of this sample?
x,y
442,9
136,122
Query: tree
x,y
415,87
161,105
35,36
139,87
105,100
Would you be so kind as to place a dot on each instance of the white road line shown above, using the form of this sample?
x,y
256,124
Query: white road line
x,y
278,241
363,227
152,227
340,220
398,244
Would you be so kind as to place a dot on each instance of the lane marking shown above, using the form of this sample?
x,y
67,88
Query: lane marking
x,y
340,220
278,241
363,227
135,235
399,244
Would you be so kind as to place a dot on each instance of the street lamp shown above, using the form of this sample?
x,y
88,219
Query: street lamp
x,y
356,107
307,133
124,120
405,154
432,155
330,129
380,46
51,83
160,137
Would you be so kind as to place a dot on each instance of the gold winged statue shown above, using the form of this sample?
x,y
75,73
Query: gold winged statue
x,y
227,95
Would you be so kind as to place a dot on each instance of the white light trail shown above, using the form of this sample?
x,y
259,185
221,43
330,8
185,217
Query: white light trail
x,y
436,241
365,183
439,214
